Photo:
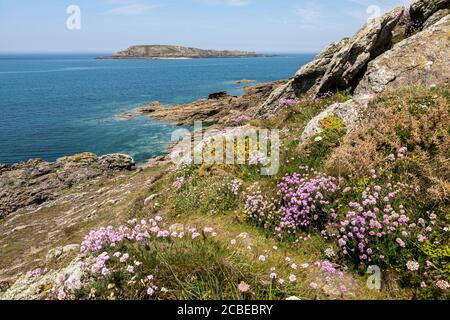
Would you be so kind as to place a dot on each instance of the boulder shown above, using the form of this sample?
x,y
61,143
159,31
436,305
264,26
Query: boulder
x,y
50,284
349,112
423,59
219,95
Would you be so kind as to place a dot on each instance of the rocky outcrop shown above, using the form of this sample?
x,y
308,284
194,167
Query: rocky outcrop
x,y
50,284
422,10
340,65
368,64
438,15
173,52
36,181
422,59
304,80
219,108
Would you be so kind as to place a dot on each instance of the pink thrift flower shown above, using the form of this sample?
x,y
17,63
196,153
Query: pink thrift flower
x,y
124,257
105,271
61,295
243,287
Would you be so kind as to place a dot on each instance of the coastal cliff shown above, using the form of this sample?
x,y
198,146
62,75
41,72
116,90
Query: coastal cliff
x,y
364,180
175,52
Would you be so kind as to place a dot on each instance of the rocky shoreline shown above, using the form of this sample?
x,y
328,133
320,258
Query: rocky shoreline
x,y
219,108
36,181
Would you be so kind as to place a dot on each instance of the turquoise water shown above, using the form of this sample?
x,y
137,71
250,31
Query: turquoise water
x,y
58,105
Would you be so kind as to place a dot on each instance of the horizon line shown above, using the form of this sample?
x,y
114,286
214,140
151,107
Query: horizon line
x,y
104,52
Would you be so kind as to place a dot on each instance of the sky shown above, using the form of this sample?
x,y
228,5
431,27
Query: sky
x,y
105,26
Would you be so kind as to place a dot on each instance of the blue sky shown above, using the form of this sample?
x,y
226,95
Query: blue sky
x,y
111,25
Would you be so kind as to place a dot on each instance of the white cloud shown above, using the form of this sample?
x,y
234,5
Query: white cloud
x,y
130,10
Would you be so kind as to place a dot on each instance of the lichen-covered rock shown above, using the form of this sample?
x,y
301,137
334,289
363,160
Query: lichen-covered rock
x,y
340,65
423,59
306,78
36,181
421,10
58,253
51,283
438,15
349,112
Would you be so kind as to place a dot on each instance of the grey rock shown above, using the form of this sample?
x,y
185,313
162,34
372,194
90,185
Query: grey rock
x,y
305,79
36,181
150,198
58,253
293,298
421,10
340,65
438,15
349,112
422,59
28,287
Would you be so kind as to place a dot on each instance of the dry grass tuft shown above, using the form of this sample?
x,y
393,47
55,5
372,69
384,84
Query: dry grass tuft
x,y
416,118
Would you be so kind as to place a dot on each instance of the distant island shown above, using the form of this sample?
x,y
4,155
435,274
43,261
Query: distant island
x,y
175,52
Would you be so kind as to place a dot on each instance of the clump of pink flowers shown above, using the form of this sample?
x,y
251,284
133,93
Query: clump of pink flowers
x,y
242,119
259,209
235,186
288,102
36,273
304,199
258,158
372,223
141,231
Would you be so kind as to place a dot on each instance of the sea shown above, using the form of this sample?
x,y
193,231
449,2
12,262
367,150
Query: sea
x,y
54,105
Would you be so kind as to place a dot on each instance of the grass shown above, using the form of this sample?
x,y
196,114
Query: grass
x,y
188,270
